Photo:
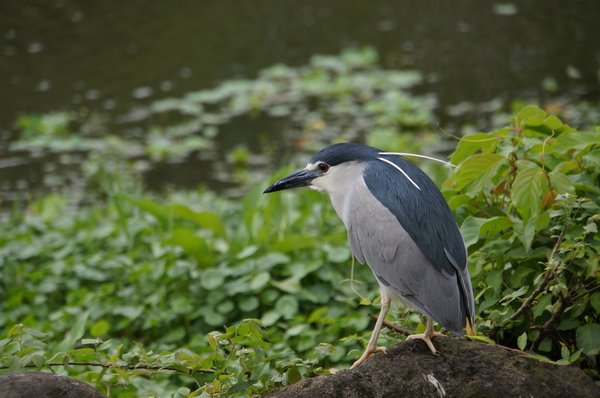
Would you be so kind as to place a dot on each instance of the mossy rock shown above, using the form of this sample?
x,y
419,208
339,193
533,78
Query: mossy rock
x,y
44,385
462,369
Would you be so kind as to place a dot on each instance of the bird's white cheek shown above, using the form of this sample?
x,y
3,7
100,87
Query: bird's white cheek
x,y
315,187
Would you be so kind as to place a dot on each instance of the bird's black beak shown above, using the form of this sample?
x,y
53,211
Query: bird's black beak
x,y
301,178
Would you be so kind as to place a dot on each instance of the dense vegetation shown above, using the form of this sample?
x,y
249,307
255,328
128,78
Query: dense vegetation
x,y
188,293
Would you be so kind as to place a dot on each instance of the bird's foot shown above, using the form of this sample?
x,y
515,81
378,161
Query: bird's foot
x,y
368,352
426,337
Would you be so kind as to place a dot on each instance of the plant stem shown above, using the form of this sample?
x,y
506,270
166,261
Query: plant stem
x,y
548,276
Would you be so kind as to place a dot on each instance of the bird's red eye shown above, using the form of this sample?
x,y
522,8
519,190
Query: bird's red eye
x,y
323,167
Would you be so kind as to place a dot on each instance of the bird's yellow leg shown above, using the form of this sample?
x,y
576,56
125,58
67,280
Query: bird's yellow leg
x,y
426,337
372,346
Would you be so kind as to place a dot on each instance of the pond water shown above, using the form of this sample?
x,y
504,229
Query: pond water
x,y
110,57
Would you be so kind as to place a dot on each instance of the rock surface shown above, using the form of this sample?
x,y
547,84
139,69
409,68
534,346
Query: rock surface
x,y
463,369
44,385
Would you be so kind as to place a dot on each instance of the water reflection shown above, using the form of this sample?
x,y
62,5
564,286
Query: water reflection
x,y
56,52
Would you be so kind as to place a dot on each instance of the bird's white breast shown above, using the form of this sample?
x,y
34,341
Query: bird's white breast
x,y
341,183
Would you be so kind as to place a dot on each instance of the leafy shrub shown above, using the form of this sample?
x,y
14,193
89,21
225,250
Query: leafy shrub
x,y
527,198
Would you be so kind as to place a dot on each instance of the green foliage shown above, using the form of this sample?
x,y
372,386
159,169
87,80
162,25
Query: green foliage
x,y
527,200
164,276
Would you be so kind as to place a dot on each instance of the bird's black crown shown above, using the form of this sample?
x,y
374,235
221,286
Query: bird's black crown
x,y
345,152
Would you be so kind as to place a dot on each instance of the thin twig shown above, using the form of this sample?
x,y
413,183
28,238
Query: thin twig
x,y
391,326
589,291
547,279
110,365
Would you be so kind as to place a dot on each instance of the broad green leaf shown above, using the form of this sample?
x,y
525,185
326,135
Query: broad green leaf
x,y
561,183
16,330
259,281
477,171
553,123
588,338
289,285
592,158
469,144
575,356
470,229
205,219
251,331
38,360
456,201
522,341
85,354
270,317
211,279
543,304
248,304
149,206
247,251
100,328
527,191
576,141
293,375
212,317
241,386
166,213
531,113
75,333
191,243
494,279
595,301
128,311
495,225
568,324
545,345
287,306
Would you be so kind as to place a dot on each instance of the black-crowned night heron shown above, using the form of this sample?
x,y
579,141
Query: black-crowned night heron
x,y
398,223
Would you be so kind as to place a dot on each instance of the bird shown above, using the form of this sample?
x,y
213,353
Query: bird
x,y
400,225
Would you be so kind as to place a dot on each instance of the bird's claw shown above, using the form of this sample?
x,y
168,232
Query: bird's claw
x,y
368,352
426,337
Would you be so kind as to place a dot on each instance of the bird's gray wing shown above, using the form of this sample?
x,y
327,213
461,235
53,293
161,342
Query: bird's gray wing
x,y
420,208
377,238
